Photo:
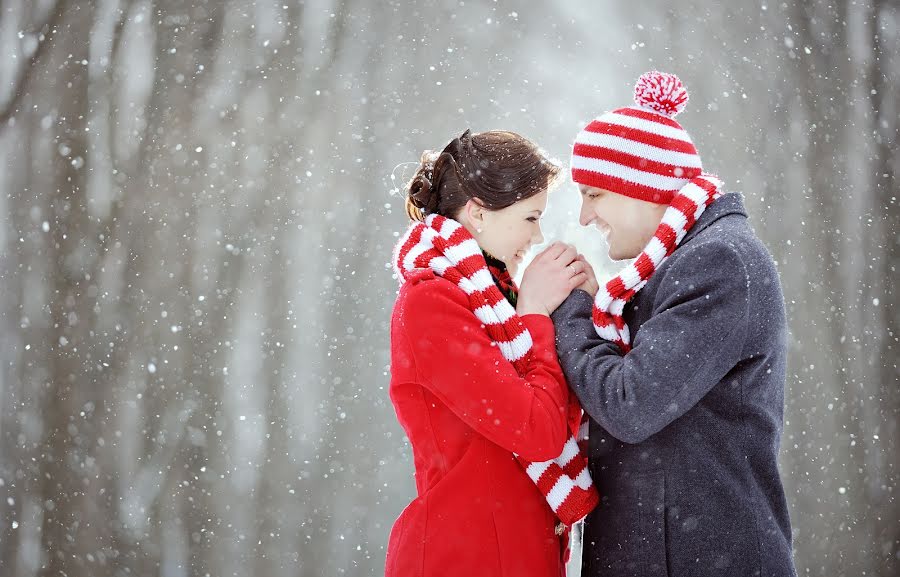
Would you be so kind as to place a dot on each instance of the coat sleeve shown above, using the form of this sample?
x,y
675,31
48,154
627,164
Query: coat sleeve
x,y
693,338
456,360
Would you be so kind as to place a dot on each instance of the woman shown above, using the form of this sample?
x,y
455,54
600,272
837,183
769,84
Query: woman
x,y
475,379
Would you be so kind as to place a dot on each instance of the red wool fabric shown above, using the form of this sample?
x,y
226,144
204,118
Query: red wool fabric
x,y
640,151
479,391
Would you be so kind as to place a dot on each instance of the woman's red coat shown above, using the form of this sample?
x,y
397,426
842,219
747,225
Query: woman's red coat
x,y
466,410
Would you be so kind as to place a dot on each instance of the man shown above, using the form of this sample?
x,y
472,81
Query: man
x,y
679,361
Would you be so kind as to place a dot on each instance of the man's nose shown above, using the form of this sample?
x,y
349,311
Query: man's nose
x,y
586,214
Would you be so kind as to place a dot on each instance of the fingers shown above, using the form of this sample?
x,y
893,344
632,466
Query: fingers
x,y
553,251
567,255
562,252
559,251
561,265
587,266
577,280
576,266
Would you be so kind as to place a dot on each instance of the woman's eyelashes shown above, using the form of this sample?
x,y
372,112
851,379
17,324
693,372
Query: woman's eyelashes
x,y
532,219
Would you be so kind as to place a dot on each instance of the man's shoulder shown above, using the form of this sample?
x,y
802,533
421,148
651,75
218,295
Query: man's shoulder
x,y
715,249
732,233
730,254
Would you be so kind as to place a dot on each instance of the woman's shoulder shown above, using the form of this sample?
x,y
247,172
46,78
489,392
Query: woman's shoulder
x,y
426,292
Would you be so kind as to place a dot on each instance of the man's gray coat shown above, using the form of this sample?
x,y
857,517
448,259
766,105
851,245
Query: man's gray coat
x,y
685,428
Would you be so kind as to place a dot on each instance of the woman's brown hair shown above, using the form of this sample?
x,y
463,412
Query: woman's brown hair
x,y
497,167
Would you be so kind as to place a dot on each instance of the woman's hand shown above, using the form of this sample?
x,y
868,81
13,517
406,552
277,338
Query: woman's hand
x,y
590,285
550,278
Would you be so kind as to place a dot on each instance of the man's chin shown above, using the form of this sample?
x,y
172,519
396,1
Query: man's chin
x,y
616,255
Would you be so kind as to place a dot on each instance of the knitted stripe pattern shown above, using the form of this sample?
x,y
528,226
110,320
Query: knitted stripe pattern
x,y
680,216
446,247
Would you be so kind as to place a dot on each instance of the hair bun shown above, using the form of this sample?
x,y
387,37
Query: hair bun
x,y
495,168
420,190
661,92
421,193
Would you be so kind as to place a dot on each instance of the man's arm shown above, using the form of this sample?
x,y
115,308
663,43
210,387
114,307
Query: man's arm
x,y
691,341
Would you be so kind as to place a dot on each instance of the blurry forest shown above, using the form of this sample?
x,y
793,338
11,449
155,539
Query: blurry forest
x,y
198,201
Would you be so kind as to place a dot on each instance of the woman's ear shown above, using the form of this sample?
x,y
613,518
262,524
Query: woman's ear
x,y
474,212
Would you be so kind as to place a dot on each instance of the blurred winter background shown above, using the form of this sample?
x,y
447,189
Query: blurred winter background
x,y
197,212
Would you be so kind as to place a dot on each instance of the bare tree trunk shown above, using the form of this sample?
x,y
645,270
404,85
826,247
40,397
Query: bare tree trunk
x,y
882,458
67,471
21,84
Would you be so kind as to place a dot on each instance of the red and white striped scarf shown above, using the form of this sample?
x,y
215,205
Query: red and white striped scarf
x,y
446,247
684,210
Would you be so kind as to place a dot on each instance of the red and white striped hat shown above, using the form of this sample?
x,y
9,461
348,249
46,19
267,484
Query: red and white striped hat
x,y
639,151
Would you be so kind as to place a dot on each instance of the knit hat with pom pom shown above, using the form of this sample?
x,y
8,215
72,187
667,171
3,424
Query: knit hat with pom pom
x,y
639,151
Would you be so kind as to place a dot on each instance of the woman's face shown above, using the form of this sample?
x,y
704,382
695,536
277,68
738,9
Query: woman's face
x,y
508,233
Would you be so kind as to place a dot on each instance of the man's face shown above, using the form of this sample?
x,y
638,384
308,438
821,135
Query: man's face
x,y
626,223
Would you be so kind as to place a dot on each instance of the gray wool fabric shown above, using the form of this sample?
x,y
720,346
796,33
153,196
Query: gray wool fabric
x,y
685,428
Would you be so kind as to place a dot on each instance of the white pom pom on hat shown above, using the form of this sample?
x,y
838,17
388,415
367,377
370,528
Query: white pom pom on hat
x,y
660,92
639,151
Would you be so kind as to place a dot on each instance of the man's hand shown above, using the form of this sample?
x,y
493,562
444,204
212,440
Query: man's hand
x,y
550,278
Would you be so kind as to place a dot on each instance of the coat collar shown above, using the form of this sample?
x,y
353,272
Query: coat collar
x,y
728,203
